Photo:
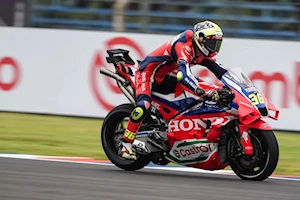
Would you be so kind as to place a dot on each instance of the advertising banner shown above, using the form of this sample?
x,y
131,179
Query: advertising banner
x,y
57,71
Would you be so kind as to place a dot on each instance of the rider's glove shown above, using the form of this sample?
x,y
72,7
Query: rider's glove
x,y
199,91
226,97
213,95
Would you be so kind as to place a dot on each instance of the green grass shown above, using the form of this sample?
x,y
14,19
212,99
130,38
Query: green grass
x,y
66,136
289,153
50,135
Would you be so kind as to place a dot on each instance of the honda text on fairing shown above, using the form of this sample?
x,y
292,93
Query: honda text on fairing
x,y
190,130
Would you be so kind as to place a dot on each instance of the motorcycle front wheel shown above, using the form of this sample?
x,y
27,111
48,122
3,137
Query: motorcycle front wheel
x,y
264,160
111,134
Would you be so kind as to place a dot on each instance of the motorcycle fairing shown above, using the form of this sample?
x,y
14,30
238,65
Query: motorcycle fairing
x,y
211,107
197,153
196,126
252,105
271,107
192,151
169,105
181,133
258,124
178,103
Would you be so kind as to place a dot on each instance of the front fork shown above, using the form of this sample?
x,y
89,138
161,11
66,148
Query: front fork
x,y
243,139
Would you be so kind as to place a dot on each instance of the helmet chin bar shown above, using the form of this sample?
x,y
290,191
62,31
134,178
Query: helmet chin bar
x,y
204,50
201,47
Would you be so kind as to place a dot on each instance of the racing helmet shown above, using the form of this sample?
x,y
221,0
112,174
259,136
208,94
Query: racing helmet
x,y
208,38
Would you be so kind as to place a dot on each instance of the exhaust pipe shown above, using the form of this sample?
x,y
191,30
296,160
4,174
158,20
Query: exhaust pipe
x,y
120,82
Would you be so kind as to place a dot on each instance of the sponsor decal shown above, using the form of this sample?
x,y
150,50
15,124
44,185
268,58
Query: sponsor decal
x,y
248,148
245,136
187,125
129,135
192,151
144,81
219,35
190,82
176,153
251,89
155,105
195,150
196,124
203,25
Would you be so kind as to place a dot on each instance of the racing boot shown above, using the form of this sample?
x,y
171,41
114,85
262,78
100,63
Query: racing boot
x,y
128,139
127,152
130,133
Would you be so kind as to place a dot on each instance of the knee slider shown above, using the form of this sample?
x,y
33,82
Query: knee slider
x,y
138,113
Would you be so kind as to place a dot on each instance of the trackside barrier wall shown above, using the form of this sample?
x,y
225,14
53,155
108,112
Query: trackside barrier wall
x,y
57,71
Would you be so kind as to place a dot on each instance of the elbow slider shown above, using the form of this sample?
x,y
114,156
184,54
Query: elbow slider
x,y
179,76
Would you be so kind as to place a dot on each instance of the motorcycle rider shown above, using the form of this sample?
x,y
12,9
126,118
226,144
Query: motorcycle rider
x,y
189,47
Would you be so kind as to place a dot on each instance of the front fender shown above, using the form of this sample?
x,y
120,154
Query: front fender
x,y
257,124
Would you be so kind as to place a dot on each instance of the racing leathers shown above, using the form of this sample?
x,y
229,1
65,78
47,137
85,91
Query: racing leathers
x,y
176,54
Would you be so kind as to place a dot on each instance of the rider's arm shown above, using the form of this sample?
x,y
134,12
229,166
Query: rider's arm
x,y
183,49
185,75
214,67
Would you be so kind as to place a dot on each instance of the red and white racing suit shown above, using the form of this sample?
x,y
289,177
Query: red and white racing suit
x,y
176,54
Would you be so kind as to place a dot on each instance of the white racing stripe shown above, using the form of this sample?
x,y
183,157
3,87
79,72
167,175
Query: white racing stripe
x,y
167,168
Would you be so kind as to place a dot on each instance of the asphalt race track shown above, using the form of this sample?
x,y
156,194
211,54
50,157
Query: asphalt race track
x,y
41,180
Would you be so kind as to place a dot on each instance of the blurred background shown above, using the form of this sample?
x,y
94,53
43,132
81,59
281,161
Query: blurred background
x,y
272,19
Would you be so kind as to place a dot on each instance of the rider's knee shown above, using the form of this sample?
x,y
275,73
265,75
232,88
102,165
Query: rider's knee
x,y
142,98
144,101
138,114
141,109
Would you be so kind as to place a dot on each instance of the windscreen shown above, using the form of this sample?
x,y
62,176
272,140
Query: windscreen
x,y
240,78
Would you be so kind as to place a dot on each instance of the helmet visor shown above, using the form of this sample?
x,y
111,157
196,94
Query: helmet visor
x,y
212,45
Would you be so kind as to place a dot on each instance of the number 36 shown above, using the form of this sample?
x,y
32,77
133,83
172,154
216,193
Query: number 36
x,y
256,99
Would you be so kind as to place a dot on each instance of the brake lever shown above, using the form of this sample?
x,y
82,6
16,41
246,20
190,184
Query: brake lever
x,y
207,95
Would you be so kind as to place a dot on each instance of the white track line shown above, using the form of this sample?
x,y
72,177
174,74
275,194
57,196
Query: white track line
x,y
168,168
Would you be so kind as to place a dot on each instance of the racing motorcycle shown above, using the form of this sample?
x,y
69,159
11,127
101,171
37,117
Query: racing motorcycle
x,y
189,130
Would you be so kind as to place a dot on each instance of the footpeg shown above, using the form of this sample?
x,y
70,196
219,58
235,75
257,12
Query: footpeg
x,y
140,147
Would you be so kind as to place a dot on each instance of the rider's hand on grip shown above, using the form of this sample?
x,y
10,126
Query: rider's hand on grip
x,y
226,97
213,95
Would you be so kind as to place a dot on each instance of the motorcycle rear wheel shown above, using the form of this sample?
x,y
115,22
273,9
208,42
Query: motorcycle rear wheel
x,y
264,160
110,136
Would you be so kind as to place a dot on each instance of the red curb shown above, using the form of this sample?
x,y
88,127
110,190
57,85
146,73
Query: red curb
x,y
74,159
